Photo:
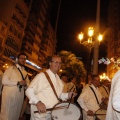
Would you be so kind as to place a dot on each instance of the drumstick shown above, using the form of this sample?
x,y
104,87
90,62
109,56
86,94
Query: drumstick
x,y
102,102
56,108
100,114
70,99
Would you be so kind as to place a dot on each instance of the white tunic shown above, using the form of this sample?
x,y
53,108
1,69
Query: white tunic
x,y
1,73
113,110
104,91
40,90
88,101
69,87
12,98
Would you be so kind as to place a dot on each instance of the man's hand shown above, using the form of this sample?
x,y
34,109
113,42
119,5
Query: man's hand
x,y
71,94
104,99
90,113
23,83
41,107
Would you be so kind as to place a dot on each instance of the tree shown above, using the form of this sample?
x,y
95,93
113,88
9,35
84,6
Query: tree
x,y
71,64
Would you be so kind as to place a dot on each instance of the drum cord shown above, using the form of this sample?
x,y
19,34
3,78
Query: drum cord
x,y
71,98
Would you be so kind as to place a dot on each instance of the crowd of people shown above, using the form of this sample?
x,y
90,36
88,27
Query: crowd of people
x,y
23,98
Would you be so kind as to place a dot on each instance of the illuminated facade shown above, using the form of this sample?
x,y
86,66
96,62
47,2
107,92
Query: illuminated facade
x,y
113,34
27,29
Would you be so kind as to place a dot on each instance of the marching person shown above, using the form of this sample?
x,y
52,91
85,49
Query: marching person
x,y
113,110
1,74
40,93
90,99
104,90
14,80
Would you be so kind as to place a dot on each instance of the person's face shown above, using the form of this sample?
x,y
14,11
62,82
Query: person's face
x,y
96,81
22,60
55,64
64,78
105,83
74,80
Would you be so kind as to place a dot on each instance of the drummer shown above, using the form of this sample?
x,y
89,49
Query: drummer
x,y
104,90
90,99
40,92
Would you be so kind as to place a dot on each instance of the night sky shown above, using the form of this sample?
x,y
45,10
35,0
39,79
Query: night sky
x,y
76,16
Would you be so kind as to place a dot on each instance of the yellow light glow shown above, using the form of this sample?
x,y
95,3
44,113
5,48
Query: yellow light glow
x,y
80,36
100,37
60,70
90,40
103,77
90,31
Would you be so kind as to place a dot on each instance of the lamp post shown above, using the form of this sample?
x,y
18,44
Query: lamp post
x,y
96,45
89,44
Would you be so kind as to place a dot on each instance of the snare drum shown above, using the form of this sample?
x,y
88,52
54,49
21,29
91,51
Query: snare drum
x,y
101,114
61,112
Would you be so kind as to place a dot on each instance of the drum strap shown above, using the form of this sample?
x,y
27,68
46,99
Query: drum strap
x,y
51,84
95,95
105,89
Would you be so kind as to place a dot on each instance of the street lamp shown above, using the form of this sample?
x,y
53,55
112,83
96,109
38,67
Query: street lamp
x,y
89,44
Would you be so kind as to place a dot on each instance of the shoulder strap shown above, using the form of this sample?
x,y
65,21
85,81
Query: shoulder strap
x,y
105,89
94,94
21,73
51,84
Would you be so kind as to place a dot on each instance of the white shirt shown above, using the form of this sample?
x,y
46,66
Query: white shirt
x,y
1,73
113,110
104,91
87,99
40,90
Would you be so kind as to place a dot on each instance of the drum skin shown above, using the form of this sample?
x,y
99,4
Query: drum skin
x,y
61,112
100,114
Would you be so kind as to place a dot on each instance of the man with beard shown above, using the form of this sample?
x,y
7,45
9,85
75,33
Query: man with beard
x,y
14,81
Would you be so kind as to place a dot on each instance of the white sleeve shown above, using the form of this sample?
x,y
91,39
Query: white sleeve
x,y
32,90
82,99
6,78
116,94
64,96
31,95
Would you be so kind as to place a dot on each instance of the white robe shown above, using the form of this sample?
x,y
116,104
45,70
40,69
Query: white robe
x,y
104,91
88,101
69,87
12,98
113,110
1,73
40,90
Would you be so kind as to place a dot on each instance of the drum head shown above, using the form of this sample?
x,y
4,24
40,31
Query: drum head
x,y
101,114
61,112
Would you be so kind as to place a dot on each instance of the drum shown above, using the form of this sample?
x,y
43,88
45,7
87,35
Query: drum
x,y
100,114
62,112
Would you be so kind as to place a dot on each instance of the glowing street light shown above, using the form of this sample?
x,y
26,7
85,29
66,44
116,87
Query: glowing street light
x,y
89,43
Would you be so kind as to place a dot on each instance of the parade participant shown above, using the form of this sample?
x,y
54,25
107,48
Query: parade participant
x,y
64,78
1,74
113,110
104,90
71,85
14,80
90,98
41,94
